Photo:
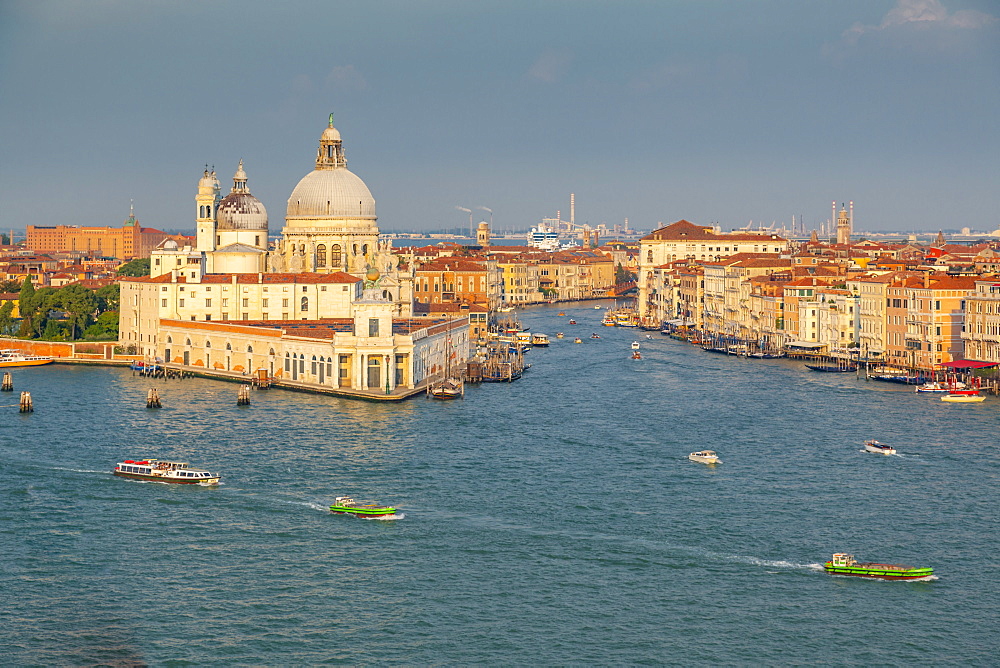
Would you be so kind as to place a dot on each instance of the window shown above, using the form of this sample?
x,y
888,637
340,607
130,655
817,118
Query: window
x,y
305,288
373,327
246,316
180,302
163,303
284,302
225,316
264,303
321,255
208,303
246,303
208,316
304,305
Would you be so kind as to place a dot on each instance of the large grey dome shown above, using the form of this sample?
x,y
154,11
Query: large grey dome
x,y
331,193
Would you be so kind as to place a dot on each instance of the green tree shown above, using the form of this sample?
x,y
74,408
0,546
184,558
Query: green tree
x,y
10,286
6,317
26,304
104,329
79,302
108,297
137,267
54,331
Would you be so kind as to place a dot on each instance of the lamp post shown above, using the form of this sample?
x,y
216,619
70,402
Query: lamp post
x,y
387,374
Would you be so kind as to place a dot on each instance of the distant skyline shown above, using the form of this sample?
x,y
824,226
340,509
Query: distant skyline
x,y
718,113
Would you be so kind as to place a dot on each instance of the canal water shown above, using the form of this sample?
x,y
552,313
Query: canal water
x,y
554,520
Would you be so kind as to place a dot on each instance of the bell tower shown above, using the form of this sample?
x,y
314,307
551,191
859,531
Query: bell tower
x,y
207,201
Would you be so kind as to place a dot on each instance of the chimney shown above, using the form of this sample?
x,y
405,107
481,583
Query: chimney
x,y
572,207
927,279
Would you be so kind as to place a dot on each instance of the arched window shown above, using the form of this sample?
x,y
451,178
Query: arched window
x,y
249,349
335,251
649,256
364,249
271,352
229,346
304,304
170,339
188,342
321,255
355,249
387,295
208,344
302,248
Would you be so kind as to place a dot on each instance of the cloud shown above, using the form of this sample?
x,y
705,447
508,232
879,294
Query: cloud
x,y
920,14
346,77
551,66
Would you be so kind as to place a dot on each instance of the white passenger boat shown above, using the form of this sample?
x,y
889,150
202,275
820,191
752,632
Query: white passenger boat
x,y
539,339
157,470
871,445
705,456
635,345
935,386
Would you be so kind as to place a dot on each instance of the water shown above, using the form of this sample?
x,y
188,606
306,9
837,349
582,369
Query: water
x,y
555,520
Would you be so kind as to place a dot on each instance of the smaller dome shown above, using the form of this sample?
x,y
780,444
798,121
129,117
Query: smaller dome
x,y
170,244
241,211
330,134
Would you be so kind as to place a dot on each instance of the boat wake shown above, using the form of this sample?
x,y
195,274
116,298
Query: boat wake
x,y
397,516
58,468
774,563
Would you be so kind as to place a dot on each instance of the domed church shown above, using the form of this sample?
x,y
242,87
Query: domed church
x,y
330,219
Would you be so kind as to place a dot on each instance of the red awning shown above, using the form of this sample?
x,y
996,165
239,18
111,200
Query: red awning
x,y
967,364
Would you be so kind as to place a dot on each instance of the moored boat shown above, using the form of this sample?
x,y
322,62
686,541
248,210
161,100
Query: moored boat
x,y
447,389
345,505
156,470
956,387
705,456
963,398
871,445
846,564
13,358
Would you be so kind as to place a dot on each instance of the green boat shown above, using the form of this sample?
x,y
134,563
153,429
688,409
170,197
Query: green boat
x,y
845,564
345,505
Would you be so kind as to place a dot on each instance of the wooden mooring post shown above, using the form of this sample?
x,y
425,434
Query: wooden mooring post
x,y
26,404
243,396
8,382
153,399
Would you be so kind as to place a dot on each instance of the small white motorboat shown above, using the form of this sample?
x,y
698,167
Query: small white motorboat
x,y
705,456
635,345
963,398
871,445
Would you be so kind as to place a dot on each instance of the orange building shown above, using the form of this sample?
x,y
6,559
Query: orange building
x,y
127,242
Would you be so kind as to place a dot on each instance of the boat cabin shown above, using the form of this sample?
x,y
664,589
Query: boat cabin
x,y
844,560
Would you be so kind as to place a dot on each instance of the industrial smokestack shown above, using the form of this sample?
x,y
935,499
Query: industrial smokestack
x,y
572,208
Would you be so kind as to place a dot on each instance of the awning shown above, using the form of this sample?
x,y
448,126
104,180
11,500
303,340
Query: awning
x,y
679,321
967,364
812,345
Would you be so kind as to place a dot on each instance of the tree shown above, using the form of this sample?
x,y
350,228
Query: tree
x,y
27,306
10,286
108,297
6,317
104,329
79,302
137,267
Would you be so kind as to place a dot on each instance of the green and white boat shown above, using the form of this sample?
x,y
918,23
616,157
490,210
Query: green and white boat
x,y
345,505
846,564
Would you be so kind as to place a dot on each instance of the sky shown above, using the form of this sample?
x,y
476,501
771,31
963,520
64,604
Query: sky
x,y
720,112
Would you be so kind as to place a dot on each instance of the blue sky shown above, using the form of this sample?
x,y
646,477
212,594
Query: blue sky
x,y
717,112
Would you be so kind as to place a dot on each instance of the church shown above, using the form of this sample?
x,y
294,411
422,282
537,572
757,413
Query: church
x,y
330,226
326,307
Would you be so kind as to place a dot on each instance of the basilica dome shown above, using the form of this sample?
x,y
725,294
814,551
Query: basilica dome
x,y
239,210
331,190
